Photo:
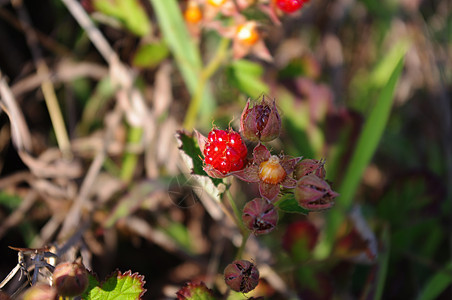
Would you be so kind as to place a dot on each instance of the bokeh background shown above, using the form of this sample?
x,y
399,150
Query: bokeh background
x,y
88,141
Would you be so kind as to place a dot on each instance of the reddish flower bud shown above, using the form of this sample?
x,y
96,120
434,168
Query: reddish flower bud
x,y
314,193
70,279
194,291
261,122
260,216
40,291
310,166
241,276
299,239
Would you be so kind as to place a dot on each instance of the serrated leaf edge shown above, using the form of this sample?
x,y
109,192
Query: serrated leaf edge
x,y
119,275
135,275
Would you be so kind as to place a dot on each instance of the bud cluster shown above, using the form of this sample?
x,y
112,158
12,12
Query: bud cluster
x,y
305,179
312,191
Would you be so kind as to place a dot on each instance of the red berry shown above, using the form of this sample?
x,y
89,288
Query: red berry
x,y
290,6
225,151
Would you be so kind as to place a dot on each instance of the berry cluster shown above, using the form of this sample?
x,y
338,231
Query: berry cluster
x,y
245,32
225,154
225,151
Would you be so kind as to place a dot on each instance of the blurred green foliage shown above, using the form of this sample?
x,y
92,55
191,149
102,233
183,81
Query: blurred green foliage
x,y
363,128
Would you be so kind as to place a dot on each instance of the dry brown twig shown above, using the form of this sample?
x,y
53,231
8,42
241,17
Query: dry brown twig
x,y
46,86
130,102
19,129
64,71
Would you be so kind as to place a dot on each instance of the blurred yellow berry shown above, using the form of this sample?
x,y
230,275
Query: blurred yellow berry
x,y
216,3
193,13
247,33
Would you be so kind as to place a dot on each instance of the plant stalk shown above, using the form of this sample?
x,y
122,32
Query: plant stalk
x,y
206,73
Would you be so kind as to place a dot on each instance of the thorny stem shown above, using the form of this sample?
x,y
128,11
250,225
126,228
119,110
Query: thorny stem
x,y
206,73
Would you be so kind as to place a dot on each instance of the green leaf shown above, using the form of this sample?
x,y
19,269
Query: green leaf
x,y
246,76
437,284
118,286
365,148
189,146
383,261
191,155
201,295
195,291
108,8
150,55
288,204
365,85
180,234
183,48
370,136
128,12
10,201
96,105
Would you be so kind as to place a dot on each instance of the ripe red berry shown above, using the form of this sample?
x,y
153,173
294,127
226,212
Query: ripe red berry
x,y
225,151
290,6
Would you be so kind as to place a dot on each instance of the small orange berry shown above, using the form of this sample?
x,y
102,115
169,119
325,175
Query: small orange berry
x,y
193,13
216,3
247,33
271,171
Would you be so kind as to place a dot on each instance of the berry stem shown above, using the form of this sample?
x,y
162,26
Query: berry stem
x,y
245,237
206,73
243,230
238,215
